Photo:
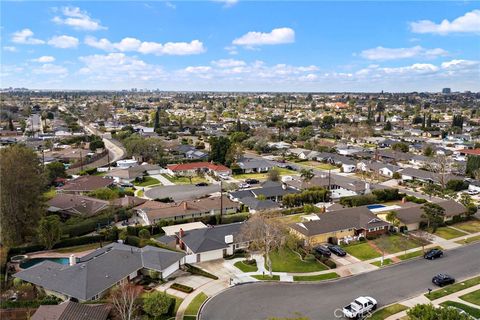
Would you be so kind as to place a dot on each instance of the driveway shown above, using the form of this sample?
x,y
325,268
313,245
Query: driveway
x,y
181,192
319,300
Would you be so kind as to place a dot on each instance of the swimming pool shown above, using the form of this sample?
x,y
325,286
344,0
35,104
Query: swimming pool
x,y
375,206
31,262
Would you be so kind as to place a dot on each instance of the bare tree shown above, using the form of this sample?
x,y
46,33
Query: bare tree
x,y
442,167
264,234
424,238
124,301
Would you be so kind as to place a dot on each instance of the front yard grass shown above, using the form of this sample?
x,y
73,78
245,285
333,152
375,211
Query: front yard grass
x,y
362,251
472,297
185,180
471,226
398,243
411,255
246,267
285,260
386,262
320,165
474,312
319,277
266,277
445,291
147,181
388,311
468,240
448,233
192,308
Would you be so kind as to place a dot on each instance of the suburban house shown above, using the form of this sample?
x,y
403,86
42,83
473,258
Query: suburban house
x,y
90,277
250,165
340,226
383,169
269,190
411,174
69,310
411,217
210,243
186,169
85,184
153,211
76,205
190,152
339,186
128,175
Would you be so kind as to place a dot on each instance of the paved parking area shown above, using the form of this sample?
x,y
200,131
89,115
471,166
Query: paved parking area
x,y
181,192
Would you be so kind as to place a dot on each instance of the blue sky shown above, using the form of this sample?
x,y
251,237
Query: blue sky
x,y
241,45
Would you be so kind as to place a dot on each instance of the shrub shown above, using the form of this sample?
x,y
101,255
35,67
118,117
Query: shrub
x,y
309,257
144,234
133,241
181,287
200,272
231,218
330,263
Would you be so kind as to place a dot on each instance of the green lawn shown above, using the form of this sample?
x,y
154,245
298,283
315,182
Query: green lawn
x,y
185,180
140,193
263,176
147,181
445,291
411,255
285,260
362,251
474,312
266,277
246,267
448,233
320,277
194,306
468,240
84,247
472,297
398,243
386,262
471,226
319,165
387,311
291,218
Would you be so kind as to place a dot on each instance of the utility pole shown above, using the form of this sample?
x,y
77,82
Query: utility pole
x,y
221,198
81,161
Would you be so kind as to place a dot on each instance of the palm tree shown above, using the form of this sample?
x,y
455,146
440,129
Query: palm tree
x,y
307,174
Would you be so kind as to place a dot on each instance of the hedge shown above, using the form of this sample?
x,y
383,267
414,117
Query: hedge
x,y
181,287
200,272
48,300
63,244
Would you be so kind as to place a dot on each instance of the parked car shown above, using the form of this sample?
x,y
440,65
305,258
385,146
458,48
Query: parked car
x,y
360,307
290,168
244,185
473,192
443,280
126,185
201,184
337,250
323,251
433,254
252,181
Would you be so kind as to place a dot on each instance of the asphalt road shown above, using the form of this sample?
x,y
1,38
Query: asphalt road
x,y
319,300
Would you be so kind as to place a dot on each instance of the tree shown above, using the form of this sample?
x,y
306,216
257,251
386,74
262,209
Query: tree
x,y
388,126
306,133
400,146
21,183
156,304
144,234
219,147
428,151
307,174
328,122
264,234
393,219
124,301
429,312
273,175
457,185
467,201
49,231
424,238
55,170
434,215
156,121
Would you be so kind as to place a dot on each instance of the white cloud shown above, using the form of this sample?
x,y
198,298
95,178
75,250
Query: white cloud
x,y
231,50
78,19
227,63
10,48
469,22
44,59
51,69
170,5
276,36
227,3
132,44
381,53
459,65
25,36
63,42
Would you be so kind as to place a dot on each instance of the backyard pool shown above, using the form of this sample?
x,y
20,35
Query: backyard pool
x,y
31,262
375,206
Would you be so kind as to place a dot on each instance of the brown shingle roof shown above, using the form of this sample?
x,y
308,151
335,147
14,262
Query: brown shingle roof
x,y
72,311
414,214
87,183
74,204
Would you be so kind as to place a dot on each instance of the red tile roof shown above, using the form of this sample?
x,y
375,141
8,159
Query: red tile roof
x,y
197,165
475,152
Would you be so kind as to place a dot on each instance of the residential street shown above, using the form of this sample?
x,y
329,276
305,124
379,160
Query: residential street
x,y
319,300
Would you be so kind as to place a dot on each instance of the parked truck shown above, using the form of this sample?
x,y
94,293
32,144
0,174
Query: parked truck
x,y
360,307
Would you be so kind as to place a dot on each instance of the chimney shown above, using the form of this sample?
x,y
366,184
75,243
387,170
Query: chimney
x,y
185,207
72,260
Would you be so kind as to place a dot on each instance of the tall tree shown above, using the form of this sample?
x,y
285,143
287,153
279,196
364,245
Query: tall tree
x,y
49,232
219,147
434,214
124,301
156,121
21,183
307,174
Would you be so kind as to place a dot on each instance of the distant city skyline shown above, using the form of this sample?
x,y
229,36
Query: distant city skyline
x,y
241,46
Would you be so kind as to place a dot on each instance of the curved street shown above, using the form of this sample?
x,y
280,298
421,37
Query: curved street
x,y
319,300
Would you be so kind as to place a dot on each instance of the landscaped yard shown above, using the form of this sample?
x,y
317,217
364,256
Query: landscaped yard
x,y
147,181
362,251
448,233
453,288
468,240
474,312
471,226
319,277
386,262
388,311
398,243
472,297
245,267
185,180
285,260
192,308
266,277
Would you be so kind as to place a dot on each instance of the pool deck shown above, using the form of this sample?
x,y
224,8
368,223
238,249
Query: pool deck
x,y
54,254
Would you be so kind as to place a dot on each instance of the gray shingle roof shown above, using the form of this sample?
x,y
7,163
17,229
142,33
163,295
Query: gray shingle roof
x,y
70,310
213,238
